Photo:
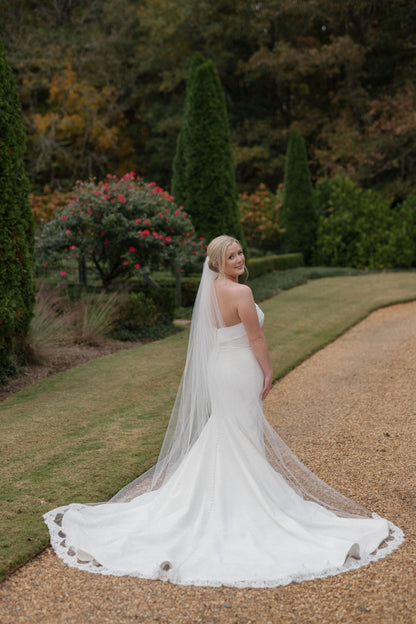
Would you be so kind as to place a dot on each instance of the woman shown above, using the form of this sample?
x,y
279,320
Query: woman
x,y
227,503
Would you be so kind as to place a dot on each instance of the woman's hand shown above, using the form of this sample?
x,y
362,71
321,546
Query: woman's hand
x,y
267,385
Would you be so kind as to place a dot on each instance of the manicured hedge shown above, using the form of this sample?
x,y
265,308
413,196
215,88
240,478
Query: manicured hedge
x,y
267,264
255,266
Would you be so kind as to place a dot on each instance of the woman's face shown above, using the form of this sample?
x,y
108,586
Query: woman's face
x,y
234,261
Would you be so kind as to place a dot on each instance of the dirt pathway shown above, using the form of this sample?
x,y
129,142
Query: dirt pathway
x,y
349,412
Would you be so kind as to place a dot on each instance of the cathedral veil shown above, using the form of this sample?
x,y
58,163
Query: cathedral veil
x,y
227,502
192,406
191,412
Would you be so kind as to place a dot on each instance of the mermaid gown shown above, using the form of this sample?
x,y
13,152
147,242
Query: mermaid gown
x,y
226,516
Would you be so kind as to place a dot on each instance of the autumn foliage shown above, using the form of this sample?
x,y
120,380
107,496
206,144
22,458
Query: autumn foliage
x,y
260,218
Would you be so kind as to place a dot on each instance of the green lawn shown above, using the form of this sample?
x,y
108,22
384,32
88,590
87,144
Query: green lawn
x,y
82,434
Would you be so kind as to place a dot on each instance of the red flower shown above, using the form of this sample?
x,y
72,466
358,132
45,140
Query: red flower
x,y
155,234
125,262
137,266
67,232
63,217
132,249
168,239
62,273
177,212
121,198
72,247
102,233
138,220
106,242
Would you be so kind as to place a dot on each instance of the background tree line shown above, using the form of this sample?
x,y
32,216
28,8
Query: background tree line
x,y
102,85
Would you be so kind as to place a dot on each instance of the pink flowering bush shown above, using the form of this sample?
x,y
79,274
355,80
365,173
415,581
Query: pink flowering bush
x,y
118,228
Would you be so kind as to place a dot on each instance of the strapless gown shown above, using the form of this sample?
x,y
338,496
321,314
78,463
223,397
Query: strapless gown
x,y
225,516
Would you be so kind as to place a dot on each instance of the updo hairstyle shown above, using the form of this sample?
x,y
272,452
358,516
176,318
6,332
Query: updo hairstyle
x,y
216,251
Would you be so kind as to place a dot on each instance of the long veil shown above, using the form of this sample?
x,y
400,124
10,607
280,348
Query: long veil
x,y
191,412
192,406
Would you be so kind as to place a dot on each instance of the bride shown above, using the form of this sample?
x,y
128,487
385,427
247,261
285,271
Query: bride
x,y
227,503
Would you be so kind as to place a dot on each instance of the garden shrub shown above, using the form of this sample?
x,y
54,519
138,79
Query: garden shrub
x,y
359,228
146,313
189,286
118,228
260,218
403,236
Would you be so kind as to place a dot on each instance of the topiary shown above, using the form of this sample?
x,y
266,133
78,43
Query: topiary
x,y
17,288
204,175
298,214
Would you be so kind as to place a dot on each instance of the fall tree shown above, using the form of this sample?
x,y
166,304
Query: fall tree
x,y
342,72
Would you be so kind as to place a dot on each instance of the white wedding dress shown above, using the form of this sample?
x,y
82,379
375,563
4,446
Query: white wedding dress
x,y
234,511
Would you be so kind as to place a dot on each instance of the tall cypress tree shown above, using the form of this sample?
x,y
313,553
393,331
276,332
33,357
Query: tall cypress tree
x,y
17,288
204,174
179,181
298,213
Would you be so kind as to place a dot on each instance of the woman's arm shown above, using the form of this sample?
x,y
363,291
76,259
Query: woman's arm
x,y
248,314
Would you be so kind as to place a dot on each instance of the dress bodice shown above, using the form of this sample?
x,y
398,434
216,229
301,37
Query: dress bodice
x,y
236,334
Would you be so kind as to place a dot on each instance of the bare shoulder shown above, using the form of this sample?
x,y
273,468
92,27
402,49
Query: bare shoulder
x,y
243,292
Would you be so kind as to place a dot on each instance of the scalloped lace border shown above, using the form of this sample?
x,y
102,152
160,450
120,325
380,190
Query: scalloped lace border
x,y
396,538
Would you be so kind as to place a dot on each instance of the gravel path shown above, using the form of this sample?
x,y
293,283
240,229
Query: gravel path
x,y
349,412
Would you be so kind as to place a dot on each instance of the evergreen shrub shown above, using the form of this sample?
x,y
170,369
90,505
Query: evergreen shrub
x,y
189,287
17,288
359,228
267,264
145,314
203,170
298,218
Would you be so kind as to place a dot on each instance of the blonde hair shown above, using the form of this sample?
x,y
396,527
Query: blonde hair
x,y
216,251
